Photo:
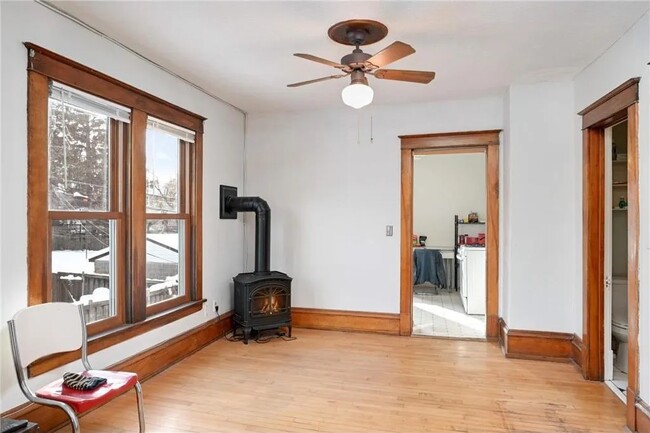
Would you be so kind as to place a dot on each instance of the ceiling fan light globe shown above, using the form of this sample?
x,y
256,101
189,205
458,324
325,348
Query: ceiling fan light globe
x,y
357,95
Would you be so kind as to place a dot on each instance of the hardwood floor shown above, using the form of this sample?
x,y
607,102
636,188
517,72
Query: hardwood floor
x,y
349,382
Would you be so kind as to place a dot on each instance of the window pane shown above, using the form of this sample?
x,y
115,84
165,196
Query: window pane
x,y
79,160
165,260
83,265
162,171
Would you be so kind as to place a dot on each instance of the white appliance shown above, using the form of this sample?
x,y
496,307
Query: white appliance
x,y
472,278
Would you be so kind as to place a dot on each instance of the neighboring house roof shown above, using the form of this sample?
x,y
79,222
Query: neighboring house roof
x,y
161,248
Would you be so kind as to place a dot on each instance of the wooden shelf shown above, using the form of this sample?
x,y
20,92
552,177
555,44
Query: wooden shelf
x,y
619,209
617,185
467,224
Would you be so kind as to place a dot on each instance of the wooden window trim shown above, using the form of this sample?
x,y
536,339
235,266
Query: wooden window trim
x,y
133,317
71,73
196,203
137,154
38,261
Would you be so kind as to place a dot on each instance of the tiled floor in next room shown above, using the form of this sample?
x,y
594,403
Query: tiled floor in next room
x,y
441,314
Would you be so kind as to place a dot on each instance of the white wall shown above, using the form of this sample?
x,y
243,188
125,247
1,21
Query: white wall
x,y
223,163
628,58
332,191
444,186
542,209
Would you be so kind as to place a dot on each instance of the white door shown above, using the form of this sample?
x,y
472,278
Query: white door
x,y
609,353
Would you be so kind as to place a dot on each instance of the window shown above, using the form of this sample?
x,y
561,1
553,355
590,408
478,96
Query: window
x,y
114,198
168,216
86,136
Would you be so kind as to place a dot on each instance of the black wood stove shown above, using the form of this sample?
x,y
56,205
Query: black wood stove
x,y
263,297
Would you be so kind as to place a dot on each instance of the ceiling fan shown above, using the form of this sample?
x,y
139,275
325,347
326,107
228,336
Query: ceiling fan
x,y
357,64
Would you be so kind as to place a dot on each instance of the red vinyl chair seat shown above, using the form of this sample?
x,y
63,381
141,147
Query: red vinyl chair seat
x,y
83,401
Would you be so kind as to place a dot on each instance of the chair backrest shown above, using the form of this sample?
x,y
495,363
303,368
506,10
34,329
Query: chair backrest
x,y
46,329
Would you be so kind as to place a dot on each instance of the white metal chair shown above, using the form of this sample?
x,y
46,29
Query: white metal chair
x,y
58,327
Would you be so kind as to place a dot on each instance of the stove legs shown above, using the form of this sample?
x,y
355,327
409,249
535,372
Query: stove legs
x,y
247,334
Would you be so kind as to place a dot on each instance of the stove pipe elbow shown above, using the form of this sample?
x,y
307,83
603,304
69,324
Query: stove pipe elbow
x,y
262,228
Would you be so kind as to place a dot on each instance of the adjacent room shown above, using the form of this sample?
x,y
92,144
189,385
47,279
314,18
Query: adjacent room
x,y
449,250
292,216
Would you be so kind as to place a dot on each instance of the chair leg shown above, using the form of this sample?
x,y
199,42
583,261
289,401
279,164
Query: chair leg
x,y
74,420
138,393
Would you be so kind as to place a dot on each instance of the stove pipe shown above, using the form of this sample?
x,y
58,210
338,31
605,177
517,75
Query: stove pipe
x,y
262,228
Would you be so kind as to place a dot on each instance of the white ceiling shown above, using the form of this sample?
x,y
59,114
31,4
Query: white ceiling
x,y
242,51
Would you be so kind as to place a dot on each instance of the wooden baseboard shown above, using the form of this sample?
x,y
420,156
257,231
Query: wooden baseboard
x,y
578,350
540,345
147,364
340,320
642,416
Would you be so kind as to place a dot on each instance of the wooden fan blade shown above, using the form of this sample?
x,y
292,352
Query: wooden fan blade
x,y
423,77
393,52
302,83
319,60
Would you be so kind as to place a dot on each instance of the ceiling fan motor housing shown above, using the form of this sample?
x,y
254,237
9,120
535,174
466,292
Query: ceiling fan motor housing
x,y
355,59
358,77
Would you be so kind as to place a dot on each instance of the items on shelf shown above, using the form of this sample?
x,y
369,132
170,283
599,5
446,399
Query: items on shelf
x,y
419,241
622,203
473,241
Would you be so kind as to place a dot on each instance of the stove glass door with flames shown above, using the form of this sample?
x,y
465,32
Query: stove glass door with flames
x,y
269,300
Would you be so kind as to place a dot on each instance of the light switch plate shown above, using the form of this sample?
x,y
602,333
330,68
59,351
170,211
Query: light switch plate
x,y
389,230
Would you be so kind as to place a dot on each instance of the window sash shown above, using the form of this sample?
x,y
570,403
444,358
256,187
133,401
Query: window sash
x,y
118,264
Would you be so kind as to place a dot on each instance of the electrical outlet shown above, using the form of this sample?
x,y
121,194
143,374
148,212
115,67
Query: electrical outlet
x,y
216,307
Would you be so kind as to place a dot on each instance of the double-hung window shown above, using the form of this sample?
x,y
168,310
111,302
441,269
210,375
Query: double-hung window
x,y
85,217
114,209
168,216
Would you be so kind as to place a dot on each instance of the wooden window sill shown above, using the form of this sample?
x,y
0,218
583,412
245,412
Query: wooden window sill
x,y
114,336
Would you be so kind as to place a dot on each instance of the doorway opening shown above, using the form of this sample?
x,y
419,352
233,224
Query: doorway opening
x,y
449,225
485,143
615,258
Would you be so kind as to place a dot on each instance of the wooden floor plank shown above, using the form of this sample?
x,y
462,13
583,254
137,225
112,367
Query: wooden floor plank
x,y
348,382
